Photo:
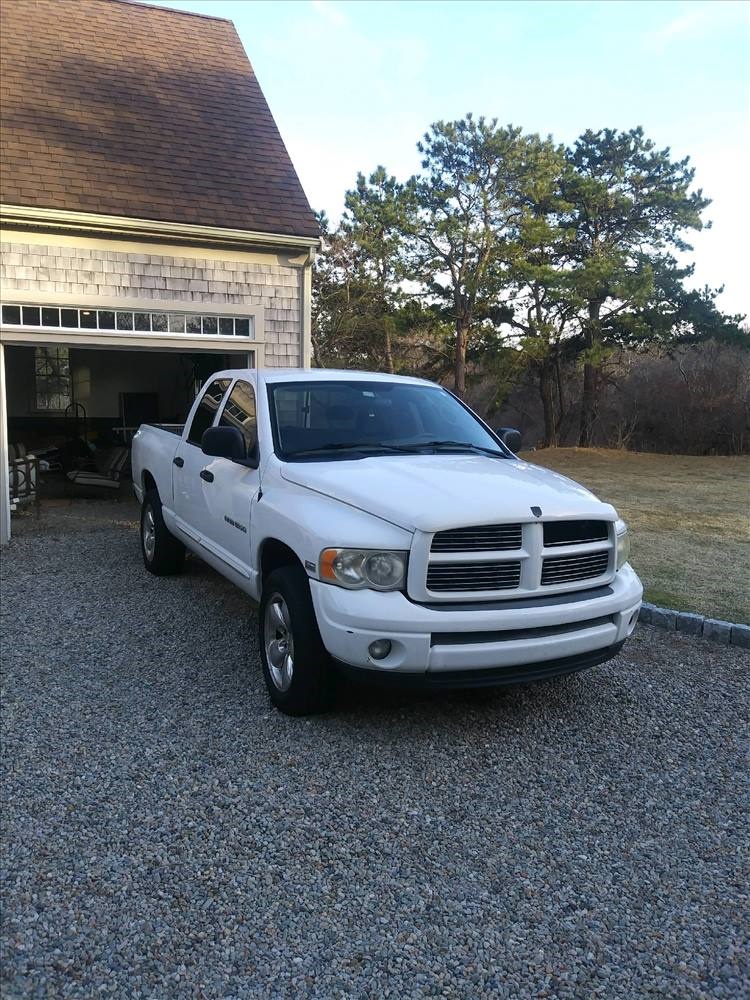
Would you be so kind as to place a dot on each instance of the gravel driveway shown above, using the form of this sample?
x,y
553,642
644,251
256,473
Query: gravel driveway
x,y
166,834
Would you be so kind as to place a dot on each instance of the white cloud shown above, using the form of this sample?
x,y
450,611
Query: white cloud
x,y
329,11
695,21
686,24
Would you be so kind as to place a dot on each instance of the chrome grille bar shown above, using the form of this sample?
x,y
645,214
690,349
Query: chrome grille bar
x,y
564,569
446,577
479,538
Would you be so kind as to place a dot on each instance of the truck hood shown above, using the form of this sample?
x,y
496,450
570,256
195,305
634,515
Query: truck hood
x,y
435,492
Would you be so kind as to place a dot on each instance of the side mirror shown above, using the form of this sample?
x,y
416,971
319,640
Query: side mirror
x,y
224,442
510,437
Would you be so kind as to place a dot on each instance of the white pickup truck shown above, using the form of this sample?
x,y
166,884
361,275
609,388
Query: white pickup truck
x,y
386,530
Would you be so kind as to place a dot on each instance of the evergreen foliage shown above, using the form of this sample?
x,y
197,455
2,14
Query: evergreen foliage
x,y
513,255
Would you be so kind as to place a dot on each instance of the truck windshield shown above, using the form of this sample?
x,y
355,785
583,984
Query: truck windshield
x,y
330,420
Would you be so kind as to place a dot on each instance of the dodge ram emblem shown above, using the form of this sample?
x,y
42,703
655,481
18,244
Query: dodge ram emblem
x,y
536,511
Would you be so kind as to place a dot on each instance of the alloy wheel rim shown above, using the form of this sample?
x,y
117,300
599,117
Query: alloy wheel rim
x,y
149,534
279,642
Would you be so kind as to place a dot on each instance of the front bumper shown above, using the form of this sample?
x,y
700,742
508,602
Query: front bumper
x,y
441,680
476,637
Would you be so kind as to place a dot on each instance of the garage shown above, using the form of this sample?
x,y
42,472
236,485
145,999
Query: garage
x,y
154,231
75,394
72,412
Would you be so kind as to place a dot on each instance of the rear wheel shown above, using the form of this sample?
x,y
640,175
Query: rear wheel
x,y
296,667
162,553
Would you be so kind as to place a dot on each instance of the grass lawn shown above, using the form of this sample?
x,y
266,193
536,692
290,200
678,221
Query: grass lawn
x,y
689,522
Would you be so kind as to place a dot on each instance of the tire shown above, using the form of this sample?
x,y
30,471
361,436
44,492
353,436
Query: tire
x,y
162,553
297,669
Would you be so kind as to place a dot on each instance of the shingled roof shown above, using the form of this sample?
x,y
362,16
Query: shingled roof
x,y
118,108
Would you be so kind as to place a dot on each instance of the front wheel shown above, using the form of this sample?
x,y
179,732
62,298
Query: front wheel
x,y
163,554
296,667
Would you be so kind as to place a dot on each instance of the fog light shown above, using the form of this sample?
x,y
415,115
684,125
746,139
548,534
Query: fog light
x,y
379,649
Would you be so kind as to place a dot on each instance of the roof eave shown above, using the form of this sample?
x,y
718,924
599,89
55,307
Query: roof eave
x,y
60,220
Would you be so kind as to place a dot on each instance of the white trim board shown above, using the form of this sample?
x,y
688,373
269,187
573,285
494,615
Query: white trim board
x,y
19,337
4,476
114,225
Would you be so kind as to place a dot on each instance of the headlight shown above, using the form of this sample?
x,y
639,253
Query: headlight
x,y
623,543
359,568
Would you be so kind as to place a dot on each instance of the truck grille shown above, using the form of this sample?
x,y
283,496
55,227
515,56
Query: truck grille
x,y
483,538
457,576
510,560
564,569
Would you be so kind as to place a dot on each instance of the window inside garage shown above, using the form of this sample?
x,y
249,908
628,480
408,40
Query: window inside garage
x,y
52,379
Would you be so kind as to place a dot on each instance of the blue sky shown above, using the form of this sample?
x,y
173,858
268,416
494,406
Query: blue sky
x,y
354,84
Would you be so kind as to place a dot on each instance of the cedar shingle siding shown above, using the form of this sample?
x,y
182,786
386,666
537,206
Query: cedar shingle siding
x,y
122,109
146,279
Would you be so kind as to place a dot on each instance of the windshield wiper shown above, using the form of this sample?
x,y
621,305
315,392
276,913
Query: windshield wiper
x,y
459,446
402,449
360,446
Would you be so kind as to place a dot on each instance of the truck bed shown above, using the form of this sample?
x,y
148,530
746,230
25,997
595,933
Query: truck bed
x,y
154,448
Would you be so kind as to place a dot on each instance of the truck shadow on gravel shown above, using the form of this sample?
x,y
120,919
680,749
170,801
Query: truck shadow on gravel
x,y
359,698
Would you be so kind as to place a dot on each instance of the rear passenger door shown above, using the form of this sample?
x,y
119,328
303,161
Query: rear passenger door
x,y
190,488
229,498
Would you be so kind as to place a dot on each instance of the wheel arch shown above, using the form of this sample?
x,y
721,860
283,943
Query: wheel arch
x,y
274,554
149,483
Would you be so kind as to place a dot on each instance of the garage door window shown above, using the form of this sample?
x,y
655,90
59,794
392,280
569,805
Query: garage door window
x,y
194,324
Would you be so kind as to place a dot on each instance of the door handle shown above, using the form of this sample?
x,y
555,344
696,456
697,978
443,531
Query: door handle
x,y
179,462
207,476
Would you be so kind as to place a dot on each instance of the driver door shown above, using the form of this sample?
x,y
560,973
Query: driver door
x,y
191,509
229,496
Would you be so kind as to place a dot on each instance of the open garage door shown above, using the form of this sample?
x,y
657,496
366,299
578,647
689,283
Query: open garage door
x,y
69,413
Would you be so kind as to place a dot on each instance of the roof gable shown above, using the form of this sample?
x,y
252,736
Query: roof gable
x,y
123,109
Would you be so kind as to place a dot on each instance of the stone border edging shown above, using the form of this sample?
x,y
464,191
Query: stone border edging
x,y
727,633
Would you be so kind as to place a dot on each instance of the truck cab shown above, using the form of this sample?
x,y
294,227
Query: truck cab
x,y
385,531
